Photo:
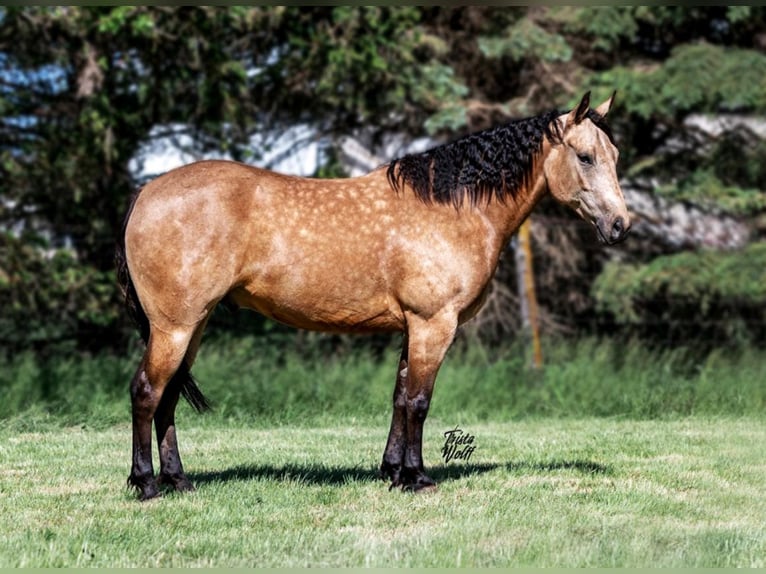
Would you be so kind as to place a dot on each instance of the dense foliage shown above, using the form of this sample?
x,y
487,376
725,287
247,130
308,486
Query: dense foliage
x,y
253,382
84,89
708,297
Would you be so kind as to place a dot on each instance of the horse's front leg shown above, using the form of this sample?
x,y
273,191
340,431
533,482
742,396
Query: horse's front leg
x,y
393,456
428,341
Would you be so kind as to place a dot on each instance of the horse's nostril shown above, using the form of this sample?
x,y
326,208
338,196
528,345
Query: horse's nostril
x,y
617,228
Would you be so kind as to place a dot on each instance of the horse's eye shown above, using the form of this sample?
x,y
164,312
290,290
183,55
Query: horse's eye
x,y
585,158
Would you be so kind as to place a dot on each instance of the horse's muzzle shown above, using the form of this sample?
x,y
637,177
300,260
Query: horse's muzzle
x,y
611,231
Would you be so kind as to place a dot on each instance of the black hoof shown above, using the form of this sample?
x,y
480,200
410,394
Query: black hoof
x,y
392,472
146,487
177,482
417,481
408,479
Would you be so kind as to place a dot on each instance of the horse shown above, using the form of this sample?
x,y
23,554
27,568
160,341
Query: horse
x,y
410,247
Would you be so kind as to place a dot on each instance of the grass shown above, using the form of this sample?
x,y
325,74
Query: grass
x,y
538,492
613,455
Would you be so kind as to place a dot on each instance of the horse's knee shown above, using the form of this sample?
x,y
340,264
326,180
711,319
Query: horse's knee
x,y
418,406
147,391
140,387
142,395
163,356
400,399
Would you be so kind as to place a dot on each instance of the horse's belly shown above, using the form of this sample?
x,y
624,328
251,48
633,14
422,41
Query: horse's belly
x,y
316,312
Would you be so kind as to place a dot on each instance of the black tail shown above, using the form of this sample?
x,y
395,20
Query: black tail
x,y
183,378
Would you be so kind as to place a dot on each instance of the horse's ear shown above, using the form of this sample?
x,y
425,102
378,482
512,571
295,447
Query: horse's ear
x,y
604,108
578,114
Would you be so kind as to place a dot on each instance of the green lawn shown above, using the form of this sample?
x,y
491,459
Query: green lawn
x,y
539,492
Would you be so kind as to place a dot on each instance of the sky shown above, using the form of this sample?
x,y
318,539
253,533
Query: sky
x,y
295,151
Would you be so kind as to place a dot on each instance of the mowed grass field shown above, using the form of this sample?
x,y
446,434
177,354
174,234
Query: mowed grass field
x,y
612,455
542,492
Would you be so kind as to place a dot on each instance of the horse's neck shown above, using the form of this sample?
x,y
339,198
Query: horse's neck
x,y
507,216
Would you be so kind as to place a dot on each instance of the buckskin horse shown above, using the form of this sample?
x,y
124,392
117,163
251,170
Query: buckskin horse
x,y
410,247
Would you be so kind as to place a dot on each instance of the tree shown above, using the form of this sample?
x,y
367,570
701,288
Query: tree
x,y
77,106
687,81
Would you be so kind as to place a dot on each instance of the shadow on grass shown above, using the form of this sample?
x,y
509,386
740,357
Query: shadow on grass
x,y
319,474
583,466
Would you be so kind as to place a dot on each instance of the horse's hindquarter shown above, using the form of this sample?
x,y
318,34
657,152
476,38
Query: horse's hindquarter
x,y
340,255
182,240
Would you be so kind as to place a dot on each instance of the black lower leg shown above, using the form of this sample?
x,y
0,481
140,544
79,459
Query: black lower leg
x,y
413,473
142,472
171,470
393,456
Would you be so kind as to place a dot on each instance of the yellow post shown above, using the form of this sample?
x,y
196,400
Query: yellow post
x,y
527,293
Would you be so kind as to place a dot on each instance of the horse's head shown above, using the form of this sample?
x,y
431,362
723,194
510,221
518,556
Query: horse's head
x,y
581,170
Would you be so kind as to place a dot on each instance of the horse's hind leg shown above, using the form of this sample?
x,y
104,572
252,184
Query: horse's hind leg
x,y
164,353
171,470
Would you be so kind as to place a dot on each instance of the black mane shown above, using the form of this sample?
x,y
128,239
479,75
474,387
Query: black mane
x,y
486,164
